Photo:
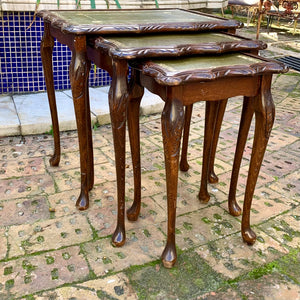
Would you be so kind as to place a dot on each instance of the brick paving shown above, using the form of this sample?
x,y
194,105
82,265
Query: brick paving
x,y
49,250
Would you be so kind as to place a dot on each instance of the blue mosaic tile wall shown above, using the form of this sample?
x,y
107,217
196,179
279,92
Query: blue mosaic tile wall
x,y
21,65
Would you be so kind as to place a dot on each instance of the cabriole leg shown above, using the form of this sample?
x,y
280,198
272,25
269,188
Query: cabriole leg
x,y
246,118
136,92
172,124
184,165
118,98
210,115
220,110
79,71
264,118
47,45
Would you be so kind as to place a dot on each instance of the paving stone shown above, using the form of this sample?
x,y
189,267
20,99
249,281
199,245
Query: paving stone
x,y
151,214
278,139
146,119
153,183
103,212
102,136
285,228
23,151
281,116
69,293
197,131
142,245
228,136
224,181
156,139
193,175
286,121
286,82
265,205
22,211
234,103
67,180
148,145
279,163
63,204
27,275
105,172
48,235
108,151
70,178
37,146
116,286
232,258
69,160
292,126
290,104
154,126
224,294
3,242
24,167
66,138
226,154
151,103
202,226
288,186
190,277
10,140
293,148
268,287
26,186
152,161
187,199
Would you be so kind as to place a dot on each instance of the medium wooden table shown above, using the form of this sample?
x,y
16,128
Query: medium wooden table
x,y
123,50
74,28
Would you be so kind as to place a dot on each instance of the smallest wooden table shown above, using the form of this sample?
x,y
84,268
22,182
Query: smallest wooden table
x,y
212,78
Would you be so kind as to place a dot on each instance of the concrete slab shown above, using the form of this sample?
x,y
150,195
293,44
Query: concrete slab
x,y
150,103
98,103
9,122
34,112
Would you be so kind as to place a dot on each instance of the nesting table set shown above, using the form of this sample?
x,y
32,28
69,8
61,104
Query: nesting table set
x,y
182,56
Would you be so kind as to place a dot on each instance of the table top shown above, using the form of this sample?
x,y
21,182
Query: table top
x,y
179,44
206,68
134,21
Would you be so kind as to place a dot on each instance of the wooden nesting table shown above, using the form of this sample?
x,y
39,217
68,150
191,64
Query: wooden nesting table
x,y
128,49
112,39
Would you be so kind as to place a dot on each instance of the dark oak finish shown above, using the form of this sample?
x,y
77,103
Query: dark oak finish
x,y
211,79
